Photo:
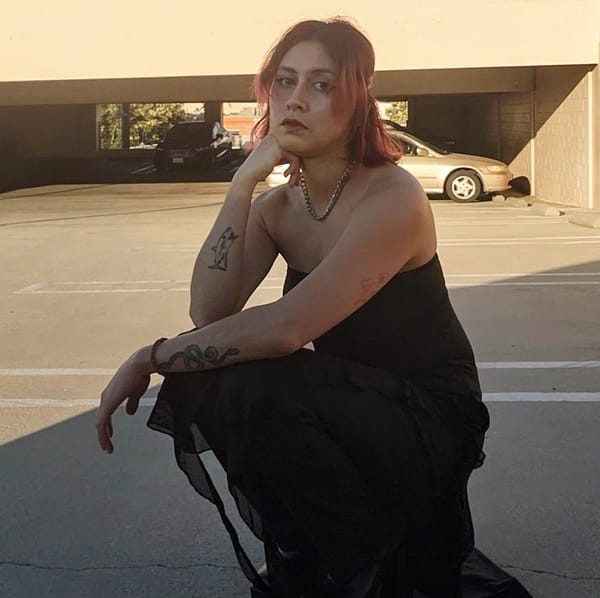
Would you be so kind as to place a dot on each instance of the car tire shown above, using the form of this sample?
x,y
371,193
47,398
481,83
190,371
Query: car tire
x,y
463,186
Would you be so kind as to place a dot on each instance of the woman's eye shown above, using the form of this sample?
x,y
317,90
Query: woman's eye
x,y
322,86
285,82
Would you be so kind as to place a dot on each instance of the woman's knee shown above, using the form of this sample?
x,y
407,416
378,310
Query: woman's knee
x,y
279,426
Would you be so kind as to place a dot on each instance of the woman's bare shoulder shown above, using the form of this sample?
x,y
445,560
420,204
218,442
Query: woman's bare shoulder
x,y
396,205
272,200
392,178
392,187
268,208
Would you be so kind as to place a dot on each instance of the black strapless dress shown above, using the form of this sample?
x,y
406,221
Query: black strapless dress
x,y
360,449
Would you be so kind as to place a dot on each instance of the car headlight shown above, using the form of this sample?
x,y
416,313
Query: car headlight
x,y
497,168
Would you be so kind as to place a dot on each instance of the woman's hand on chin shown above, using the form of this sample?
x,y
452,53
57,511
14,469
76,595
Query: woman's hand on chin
x,y
263,158
293,170
129,383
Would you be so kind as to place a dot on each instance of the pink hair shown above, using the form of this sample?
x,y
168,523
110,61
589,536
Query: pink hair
x,y
354,58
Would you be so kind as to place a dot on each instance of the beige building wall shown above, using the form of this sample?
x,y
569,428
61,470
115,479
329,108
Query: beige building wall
x,y
69,39
594,152
562,138
489,73
549,135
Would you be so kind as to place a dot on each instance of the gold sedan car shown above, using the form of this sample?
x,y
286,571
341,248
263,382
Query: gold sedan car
x,y
461,177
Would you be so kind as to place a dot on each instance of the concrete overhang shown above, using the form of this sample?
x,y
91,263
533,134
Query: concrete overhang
x,y
238,88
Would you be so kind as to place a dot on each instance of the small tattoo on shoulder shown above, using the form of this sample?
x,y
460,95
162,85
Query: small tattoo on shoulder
x,y
221,249
371,285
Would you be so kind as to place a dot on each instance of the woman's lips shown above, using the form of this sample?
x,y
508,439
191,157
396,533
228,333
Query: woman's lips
x,y
291,124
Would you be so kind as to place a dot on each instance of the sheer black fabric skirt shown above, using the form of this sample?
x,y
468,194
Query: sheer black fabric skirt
x,y
355,461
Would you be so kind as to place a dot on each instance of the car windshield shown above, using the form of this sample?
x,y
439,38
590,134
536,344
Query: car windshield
x,y
197,134
434,147
406,138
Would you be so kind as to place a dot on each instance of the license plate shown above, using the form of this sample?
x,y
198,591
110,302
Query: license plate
x,y
177,160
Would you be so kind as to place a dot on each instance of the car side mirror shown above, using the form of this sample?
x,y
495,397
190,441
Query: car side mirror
x,y
421,151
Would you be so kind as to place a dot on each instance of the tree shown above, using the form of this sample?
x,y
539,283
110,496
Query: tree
x,y
397,111
147,122
110,126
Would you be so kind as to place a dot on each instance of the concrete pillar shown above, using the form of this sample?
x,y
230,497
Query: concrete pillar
x,y
213,111
125,128
594,140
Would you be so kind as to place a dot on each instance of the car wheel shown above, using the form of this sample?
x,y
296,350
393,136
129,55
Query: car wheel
x,y
463,186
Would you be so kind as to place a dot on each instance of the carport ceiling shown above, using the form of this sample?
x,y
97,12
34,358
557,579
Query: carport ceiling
x,y
237,88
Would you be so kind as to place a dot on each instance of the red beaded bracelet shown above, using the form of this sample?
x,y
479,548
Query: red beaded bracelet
x,y
155,346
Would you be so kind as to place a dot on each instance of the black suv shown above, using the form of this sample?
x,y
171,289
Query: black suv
x,y
195,145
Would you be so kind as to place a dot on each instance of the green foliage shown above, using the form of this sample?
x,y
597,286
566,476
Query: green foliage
x,y
110,126
397,111
147,122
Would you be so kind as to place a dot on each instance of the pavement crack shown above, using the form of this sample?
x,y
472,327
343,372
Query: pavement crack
x,y
117,567
552,573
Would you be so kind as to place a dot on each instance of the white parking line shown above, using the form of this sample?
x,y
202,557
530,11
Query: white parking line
x,y
32,288
488,397
536,365
483,365
91,291
517,239
57,372
522,274
123,286
278,287
100,282
53,403
147,401
541,397
580,240
466,242
274,283
495,283
477,222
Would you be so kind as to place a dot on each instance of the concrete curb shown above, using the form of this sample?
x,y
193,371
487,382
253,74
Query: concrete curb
x,y
544,209
517,202
588,219
511,202
538,207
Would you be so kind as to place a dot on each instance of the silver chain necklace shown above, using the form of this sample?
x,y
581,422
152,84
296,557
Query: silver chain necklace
x,y
334,197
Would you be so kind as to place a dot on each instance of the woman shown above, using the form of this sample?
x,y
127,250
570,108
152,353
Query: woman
x,y
350,462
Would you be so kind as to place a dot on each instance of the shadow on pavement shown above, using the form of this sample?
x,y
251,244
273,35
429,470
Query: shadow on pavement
x,y
76,522
37,172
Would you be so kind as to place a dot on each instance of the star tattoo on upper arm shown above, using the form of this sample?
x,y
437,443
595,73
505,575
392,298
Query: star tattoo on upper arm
x,y
221,249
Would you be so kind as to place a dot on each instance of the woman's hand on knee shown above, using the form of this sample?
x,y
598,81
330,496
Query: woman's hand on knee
x,y
129,383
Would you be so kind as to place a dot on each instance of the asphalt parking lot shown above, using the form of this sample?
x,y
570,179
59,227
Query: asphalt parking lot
x,y
91,272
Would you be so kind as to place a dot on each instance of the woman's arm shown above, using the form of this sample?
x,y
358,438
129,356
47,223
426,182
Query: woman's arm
x,y
219,267
238,251
386,232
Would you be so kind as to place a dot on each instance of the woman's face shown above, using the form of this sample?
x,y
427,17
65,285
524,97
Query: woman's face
x,y
301,112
